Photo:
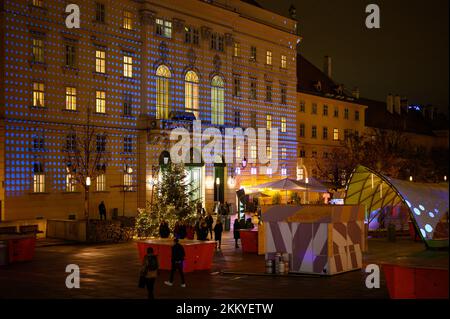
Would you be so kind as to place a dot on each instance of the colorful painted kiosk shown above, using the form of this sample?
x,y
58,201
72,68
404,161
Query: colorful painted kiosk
x,y
199,254
320,239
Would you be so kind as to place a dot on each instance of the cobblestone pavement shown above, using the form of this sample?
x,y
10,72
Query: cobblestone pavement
x,y
111,271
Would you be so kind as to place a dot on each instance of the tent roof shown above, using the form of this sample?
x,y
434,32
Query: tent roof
x,y
427,202
314,213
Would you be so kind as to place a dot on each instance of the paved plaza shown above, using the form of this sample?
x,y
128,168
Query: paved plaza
x,y
111,271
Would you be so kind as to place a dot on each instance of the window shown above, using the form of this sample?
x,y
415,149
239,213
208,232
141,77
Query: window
x,y
191,35
38,182
302,153
71,98
164,28
70,183
100,101
127,66
269,57
253,119
100,61
217,42
314,131
283,62
269,122
253,54
347,133
253,152
253,170
283,153
238,152
127,144
325,133
38,143
283,94
269,92
101,143
38,94
335,134
127,104
100,12
314,108
237,119
314,154
356,115
236,49
325,110
101,182
127,20
38,3
283,125
300,173
302,107
301,130
336,111
346,114
217,100
269,152
70,55
128,181
269,171
236,86
284,171
325,154
38,50
71,142
253,88
191,93
163,75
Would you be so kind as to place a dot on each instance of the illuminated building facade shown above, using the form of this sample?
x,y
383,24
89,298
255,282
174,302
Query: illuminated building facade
x,y
138,68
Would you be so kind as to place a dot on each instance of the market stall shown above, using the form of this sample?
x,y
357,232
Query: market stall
x,y
318,239
199,254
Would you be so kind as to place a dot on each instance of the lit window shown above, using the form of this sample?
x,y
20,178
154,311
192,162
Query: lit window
x,y
71,98
314,131
128,181
302,130
39,182
283,62
283,94
335,134
38,94
101,182
38,3
38,50
253,88
283,125
269,170
269,122
253,171
191,93
236,49
70,183
300,173
253,152
269,152
162,92
238,171
128,66
283,153
164,28
100,61
127,104
217,100
236,86
269,57
325,133
100,12
127,20
70,55
284,171
100,101
238,152
253,54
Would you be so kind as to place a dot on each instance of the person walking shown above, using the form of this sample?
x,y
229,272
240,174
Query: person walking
x,y
218,229
209,224
149,271
177,263
236,234
102,210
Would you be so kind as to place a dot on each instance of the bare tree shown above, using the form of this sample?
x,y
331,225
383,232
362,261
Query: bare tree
x,y
86,157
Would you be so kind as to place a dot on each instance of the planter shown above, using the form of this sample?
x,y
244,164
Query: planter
x,y
249,240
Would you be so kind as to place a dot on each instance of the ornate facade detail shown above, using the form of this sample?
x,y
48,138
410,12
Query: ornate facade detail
x,y
178,25
147,17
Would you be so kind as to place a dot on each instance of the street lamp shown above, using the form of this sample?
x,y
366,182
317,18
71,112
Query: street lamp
x,y
88,183
445,178
217,187
410,178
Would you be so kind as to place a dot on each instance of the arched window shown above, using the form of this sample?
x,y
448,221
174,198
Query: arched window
x,y
217,100
162,92
191,93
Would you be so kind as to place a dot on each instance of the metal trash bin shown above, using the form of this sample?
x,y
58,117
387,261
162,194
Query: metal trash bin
x,y
3,253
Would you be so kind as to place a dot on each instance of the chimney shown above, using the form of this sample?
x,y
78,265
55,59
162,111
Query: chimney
x,y
404,104
327,66
355,93
390,103
397,104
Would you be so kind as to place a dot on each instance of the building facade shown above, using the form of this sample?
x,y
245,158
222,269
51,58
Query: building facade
x,y
134,70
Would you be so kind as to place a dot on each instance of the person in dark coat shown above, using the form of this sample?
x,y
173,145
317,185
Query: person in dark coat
x,y
209,224
177,263
203,232
218,229
102,210
182,232
149,271
237,235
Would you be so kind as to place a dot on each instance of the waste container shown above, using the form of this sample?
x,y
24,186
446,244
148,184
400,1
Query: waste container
x,y
227,223
3,253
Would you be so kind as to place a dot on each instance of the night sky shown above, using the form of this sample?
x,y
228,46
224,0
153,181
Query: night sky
x,y
408,55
